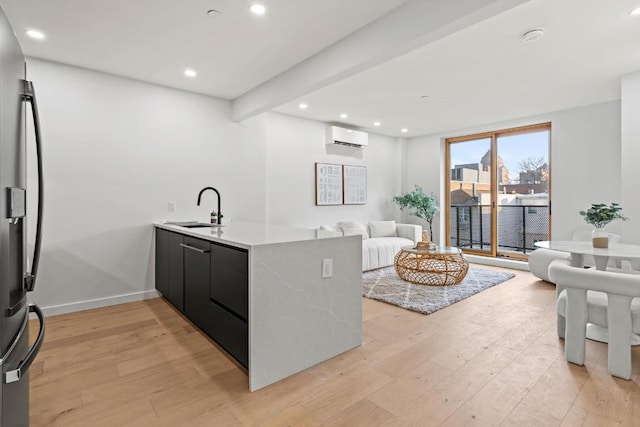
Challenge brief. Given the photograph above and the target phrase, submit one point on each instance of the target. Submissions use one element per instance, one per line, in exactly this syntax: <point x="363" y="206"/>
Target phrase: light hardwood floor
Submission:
<point x="492" y="359"/>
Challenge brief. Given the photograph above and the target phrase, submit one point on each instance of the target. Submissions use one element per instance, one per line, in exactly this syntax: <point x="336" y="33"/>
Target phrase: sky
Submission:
<point x="512" y="149"/>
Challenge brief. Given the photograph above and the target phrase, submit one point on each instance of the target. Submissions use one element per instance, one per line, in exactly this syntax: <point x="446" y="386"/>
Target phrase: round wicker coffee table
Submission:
<point x="436" y="267"/>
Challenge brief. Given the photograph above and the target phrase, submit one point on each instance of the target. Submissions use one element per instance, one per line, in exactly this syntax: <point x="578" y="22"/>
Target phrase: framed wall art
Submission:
<point x="355" y="185"/>
<point x="328" y="184"/>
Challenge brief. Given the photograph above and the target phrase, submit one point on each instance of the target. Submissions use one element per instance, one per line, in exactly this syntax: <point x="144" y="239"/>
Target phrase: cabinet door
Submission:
<point x="229" y="279"/>
<point x="230" y="332"/>
<point x="196" y="281"/>
<point x="169" y="280"/>
<point x="162" y="262"/>
<point x="175" y="271"/>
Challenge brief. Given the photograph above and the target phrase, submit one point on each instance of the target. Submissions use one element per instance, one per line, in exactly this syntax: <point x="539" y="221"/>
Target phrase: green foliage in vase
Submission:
<point x="425" y="206"/>
<point x="599" y="214"/>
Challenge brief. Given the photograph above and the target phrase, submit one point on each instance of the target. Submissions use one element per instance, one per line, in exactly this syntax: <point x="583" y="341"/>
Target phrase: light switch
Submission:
<point x="327" y="268"/>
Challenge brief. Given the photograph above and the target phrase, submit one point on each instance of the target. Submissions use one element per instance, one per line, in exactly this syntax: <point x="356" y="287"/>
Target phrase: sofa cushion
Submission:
<point x="332" y="228"/>
<point x="381" y="251"/>
<point x="383" y="229"/>
<point x="355" y="231"/>
<point x="343" y="225"/>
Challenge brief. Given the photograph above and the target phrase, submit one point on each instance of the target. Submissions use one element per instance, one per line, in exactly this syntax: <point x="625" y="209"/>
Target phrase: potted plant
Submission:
<point x="425" y="206"/>
<point x="599" y="214"/>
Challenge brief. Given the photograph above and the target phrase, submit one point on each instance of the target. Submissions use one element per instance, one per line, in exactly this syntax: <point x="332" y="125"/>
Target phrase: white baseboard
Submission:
<point x="498" y="262"/>
<point x="98" y="303"/>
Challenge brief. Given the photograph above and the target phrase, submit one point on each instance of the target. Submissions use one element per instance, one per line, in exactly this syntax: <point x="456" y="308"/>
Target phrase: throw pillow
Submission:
<point x="355" y="231"/>
<point x="354" y="224"/>
<point x="332" y="228"/>
<point x="383" y="229"/>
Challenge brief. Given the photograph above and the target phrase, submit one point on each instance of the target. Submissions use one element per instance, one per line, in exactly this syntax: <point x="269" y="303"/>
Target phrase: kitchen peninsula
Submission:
<point x="258" y="291"/>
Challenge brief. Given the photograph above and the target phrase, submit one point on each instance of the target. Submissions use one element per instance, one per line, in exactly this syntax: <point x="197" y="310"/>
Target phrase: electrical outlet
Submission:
<point x="172" y="206"/>
<point x="327" y="268"/>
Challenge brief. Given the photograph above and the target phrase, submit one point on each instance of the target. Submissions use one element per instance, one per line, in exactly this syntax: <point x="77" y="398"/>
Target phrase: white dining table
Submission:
<point x="579" y="249"/>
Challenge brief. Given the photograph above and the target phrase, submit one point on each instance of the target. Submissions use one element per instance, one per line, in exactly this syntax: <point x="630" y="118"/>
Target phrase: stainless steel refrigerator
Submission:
<point x="16" y="277"/>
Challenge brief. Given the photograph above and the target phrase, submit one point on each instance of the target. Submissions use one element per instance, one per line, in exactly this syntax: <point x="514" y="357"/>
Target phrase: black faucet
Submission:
<point x="219" y="211"/>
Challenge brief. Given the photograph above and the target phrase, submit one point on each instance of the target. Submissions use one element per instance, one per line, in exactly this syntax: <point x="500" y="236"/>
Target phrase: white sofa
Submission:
<point x="381" y="240"/>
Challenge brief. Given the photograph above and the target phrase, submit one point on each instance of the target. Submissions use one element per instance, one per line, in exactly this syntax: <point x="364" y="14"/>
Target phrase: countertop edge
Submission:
<point x="243" y="245"/>
<point x="193" y="233"/>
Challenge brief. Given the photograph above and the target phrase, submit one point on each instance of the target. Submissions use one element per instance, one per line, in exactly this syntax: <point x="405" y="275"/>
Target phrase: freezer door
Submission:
<point x="15" y="362"/>
<point x="15" y="396"/>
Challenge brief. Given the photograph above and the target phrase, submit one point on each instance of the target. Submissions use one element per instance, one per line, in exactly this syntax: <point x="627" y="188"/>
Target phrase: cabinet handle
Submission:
<point x="202" y="251"/>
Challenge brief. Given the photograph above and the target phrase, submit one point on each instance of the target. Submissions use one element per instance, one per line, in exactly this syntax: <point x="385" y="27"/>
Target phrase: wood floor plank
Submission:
<point x="578" y="417"/>
<point x="397" y="395"/>
<point x="556" y="391"/>
<point x="340" y="394"/>
<point x="491" y="359"/>
<point x="605" y="395"/>
<point x="528" y="416"/>
<point x="363" y="413"/>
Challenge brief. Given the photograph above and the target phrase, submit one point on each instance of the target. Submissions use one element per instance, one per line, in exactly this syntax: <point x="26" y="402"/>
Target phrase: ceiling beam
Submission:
<point x="408" y="27"/>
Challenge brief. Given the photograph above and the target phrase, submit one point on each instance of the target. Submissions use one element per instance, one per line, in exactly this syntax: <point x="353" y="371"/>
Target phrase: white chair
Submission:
<point x="540" y="259"/>
<point x="606" y="299"/>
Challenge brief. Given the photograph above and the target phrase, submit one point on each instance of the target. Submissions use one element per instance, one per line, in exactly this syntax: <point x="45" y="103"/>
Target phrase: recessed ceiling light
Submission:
<point x="35" y="34"/>
<point x="376" y="123"/>
<point x="302" y="106"/>
<point x="213" y="13"/>
<point x="258" y="9"/>
<point x="344" y="115"/>
<point x="404" y="130"/>
<point x="533" y="35"/>
<point x="635" y="12"/>
<point x="191" y="73"/>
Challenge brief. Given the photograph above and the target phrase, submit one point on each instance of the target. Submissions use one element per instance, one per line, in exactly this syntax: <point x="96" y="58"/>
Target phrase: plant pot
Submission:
<point x="600" y="237"/>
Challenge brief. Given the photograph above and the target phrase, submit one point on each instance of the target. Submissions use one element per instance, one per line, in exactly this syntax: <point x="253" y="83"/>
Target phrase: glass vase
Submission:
<point x="600" y="237"/>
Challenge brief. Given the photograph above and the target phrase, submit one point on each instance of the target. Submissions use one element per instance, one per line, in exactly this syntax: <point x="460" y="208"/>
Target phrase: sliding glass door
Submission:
<point x="469" y="190"/>
<point x="498" y="191"/>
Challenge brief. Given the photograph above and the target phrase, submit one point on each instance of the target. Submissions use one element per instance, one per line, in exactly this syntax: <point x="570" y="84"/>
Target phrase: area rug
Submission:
<point x="385" y="285"/>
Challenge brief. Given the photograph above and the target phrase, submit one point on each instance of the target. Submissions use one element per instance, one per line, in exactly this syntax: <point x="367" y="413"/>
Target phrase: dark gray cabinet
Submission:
<point x="229" y="292"/>
<point x="162" y="262"/>
<point x="229" y="278"/>
<point x="230" y="332"/>
<point x="209" y="283"/>
<point x="197" y="264"/>
<point x="169" y="267"/>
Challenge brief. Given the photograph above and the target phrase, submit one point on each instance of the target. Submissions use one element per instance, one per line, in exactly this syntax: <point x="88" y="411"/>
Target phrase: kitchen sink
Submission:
<point x="193" y="224"/>
<point x="202" y="225"/>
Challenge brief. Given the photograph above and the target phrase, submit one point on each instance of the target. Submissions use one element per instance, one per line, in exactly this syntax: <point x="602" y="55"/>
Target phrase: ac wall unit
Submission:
<point x="349" y="137"/>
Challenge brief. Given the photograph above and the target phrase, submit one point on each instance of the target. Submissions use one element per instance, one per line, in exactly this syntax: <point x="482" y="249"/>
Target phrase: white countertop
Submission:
<point x="248" y="234"/>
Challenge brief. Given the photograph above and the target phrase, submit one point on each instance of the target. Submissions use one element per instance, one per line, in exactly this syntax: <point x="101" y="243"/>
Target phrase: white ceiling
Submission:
<point x="486" y="73"/>
<point x="155" y="40"/>
<point x="481" y="74"/>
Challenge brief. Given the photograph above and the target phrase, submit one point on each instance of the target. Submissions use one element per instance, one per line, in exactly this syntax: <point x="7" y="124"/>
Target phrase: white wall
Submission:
<point x="116" y="151"/>
<point x="424" y="158"/>
<point x="631" y="156"/>
<point x="294" y="145"/>
<point x="585" y="162"/>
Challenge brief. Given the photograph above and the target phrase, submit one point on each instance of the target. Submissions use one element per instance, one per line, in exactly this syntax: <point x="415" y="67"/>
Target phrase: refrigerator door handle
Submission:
<point x="30" y="97"/>
<point x="15" y="374"/>
<point x="14" y="341"/>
